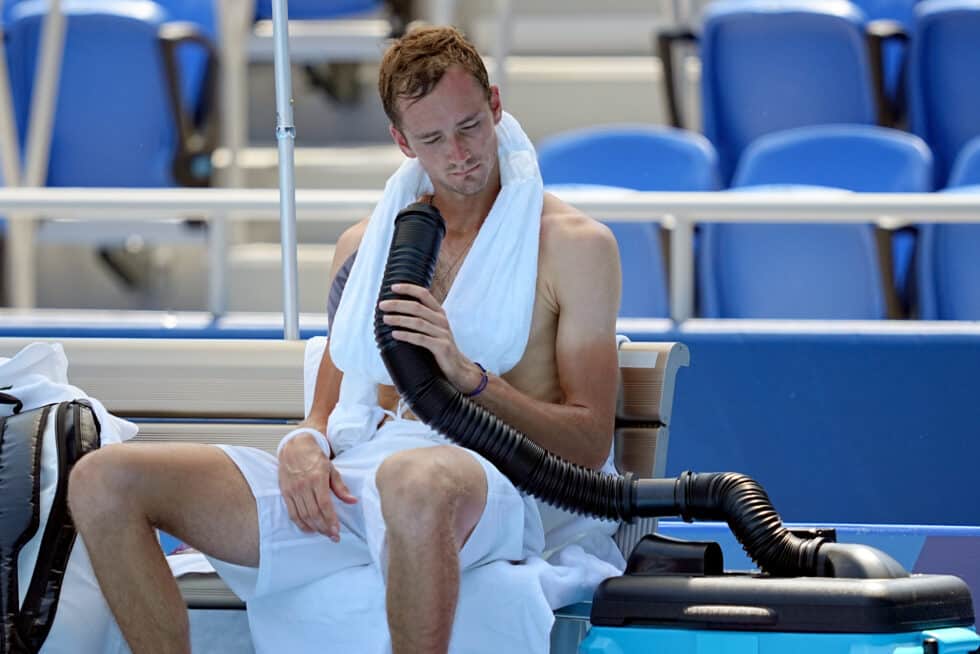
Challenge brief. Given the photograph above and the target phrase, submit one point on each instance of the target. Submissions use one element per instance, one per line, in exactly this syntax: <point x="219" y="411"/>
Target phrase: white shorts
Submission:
<point x="509" y="529"/>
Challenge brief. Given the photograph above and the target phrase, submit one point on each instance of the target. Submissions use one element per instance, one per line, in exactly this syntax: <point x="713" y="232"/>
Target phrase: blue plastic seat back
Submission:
<point x="192" y="60"/>
<point x="948" y="268"/>
<point x="113" y="124"/>
<point x="808" y="270"/>
<point x="317" y="9"/>
<point x="769" y="66"/>
<point x="642" y="158"/>
<point x="860" y="158"/>
<point x="944" y="78"/>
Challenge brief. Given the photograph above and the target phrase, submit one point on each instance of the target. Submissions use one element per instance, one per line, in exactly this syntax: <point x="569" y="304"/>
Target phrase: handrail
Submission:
<point x="635" y="206"/>
<point x="680" y="210"/>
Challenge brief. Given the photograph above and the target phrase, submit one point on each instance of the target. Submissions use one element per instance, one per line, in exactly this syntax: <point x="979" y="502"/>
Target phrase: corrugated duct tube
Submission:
<point x="732" y="497"/>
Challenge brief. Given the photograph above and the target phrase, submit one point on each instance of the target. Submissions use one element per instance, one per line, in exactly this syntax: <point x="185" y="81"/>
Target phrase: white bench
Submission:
<point x="248" y="392"/>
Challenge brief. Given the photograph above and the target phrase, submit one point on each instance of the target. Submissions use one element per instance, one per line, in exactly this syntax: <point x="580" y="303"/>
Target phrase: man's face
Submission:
<point x="451" y="132"/>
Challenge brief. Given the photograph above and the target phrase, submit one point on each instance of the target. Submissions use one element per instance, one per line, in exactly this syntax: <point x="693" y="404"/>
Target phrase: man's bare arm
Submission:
<point x="328" y="377"/>
<point x="307" y="478"/>
<point x="586" y="282"/>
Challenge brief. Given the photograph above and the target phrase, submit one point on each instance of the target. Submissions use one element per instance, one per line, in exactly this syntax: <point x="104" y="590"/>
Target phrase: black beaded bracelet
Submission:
<point x="484" y="380"/>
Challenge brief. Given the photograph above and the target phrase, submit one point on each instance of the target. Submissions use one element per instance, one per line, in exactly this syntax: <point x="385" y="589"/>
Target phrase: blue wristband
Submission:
<point x="484" y="380"/>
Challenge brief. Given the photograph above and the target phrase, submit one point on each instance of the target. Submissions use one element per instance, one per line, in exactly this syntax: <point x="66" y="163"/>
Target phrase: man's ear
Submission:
<point x="401" y="141"/>
<point x="495" y="107"/>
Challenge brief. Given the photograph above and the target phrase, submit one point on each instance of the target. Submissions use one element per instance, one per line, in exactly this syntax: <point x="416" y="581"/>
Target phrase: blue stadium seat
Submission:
<point x="948" y="265"/>
<point x="769" y="66"/>
<point x="193" y="63"/>
<point x="127" y="113"/>
<point x="944" y="85"/>
<point x="642" y="158"/>
<point x="809" y="270"/>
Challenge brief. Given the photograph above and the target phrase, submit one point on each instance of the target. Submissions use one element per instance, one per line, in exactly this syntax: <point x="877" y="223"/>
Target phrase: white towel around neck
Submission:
<point x="489" y="305"/>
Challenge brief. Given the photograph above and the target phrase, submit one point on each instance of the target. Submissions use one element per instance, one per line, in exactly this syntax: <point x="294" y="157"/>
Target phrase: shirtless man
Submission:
<point x="561" y="393"/>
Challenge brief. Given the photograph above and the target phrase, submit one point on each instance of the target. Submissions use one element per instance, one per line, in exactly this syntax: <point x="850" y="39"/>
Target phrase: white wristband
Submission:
<point x="318" y="436"/>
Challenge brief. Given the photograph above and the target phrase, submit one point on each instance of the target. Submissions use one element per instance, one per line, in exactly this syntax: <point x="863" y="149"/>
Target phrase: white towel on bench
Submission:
<point x="38" y="375"/>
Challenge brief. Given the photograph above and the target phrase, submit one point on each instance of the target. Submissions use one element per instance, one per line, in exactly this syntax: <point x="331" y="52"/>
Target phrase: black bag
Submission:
<point x="38" y="449"/>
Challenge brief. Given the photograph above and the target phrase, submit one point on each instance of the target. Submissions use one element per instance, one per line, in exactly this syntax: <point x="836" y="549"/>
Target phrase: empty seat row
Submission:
<point x="801" y="270"/>
<point x="137" y="90"/>
<point x="768" y="66"/>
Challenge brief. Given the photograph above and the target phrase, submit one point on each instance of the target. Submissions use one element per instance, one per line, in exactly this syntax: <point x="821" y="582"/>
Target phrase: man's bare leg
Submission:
<point x="431" y="500"/>
<point x="120" y="493"/>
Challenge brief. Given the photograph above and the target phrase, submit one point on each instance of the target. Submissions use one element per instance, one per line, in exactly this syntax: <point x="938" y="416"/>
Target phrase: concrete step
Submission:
<point x="175" y="277"/>
<point x="547" y="94"/>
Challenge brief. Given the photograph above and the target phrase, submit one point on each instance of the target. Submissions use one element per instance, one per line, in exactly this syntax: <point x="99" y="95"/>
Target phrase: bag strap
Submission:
<point x="76" y="434"/>
<point x="7" y="398"/>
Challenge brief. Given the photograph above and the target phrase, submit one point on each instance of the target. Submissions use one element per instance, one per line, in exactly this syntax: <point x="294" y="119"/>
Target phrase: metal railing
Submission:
<point x="679" y="211"/>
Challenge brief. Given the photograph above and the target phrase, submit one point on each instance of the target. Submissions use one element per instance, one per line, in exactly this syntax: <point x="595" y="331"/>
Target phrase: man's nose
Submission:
<point x="457" y="149"/>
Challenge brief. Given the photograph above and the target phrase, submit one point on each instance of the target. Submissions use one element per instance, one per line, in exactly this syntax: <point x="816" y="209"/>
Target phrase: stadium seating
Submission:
<point x="768" y="66"/>
<point x="944" y="85"/>
<point x="809" y="270"/>
<point x="125" y="115"/>
<point x="948" y="266"/>
<point x="642" y="158"/>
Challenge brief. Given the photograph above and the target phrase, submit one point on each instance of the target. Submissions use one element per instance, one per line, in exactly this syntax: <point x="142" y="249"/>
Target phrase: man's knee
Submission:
<point x="422" y="490"/>
<point x="101" y="483"/>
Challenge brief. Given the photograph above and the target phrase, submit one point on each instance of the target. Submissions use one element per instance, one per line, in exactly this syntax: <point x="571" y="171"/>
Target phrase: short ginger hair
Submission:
<point x="414" y="64"/>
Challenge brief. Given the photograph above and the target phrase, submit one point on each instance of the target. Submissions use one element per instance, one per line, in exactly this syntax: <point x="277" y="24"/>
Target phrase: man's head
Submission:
<point x="437" y="94"/>
<point x="414" y="64"/>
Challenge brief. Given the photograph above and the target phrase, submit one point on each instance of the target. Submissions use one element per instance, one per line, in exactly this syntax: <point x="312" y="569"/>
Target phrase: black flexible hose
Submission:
<point x="419" y="230"/>
<point x="743" y="503"/>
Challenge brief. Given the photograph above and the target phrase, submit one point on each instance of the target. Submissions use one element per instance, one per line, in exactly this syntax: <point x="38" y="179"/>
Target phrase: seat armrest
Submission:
<point x="664" y="42"/>
<point x="648" y="372"/>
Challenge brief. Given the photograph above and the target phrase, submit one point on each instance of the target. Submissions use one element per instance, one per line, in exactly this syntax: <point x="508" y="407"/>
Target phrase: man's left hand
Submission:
<point x="424" y="323"/>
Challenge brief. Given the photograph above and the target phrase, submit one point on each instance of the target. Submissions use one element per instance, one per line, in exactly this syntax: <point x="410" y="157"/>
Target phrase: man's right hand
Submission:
<point x="308" y="481"/>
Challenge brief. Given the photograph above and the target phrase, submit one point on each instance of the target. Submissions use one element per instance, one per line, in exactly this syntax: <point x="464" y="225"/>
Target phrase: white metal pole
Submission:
<point x="233" y="19"/>
<point x="21" y="245"/>
<point x="9" y="150"/>
<point x="218" y="265"/>
<point x="442" y="12"/>
<point x="286" y="137"/>
<point x="10" y="155"/>
<point x="45" y="96"/>
<point x="505" y="29"/>
<point x="682" y="269"/>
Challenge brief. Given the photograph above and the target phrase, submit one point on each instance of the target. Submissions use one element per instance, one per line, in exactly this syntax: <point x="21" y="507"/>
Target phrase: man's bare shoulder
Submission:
<point x="568" y="234"/>
<point x="347" y="244"/>
<point x="350" y="240"/>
